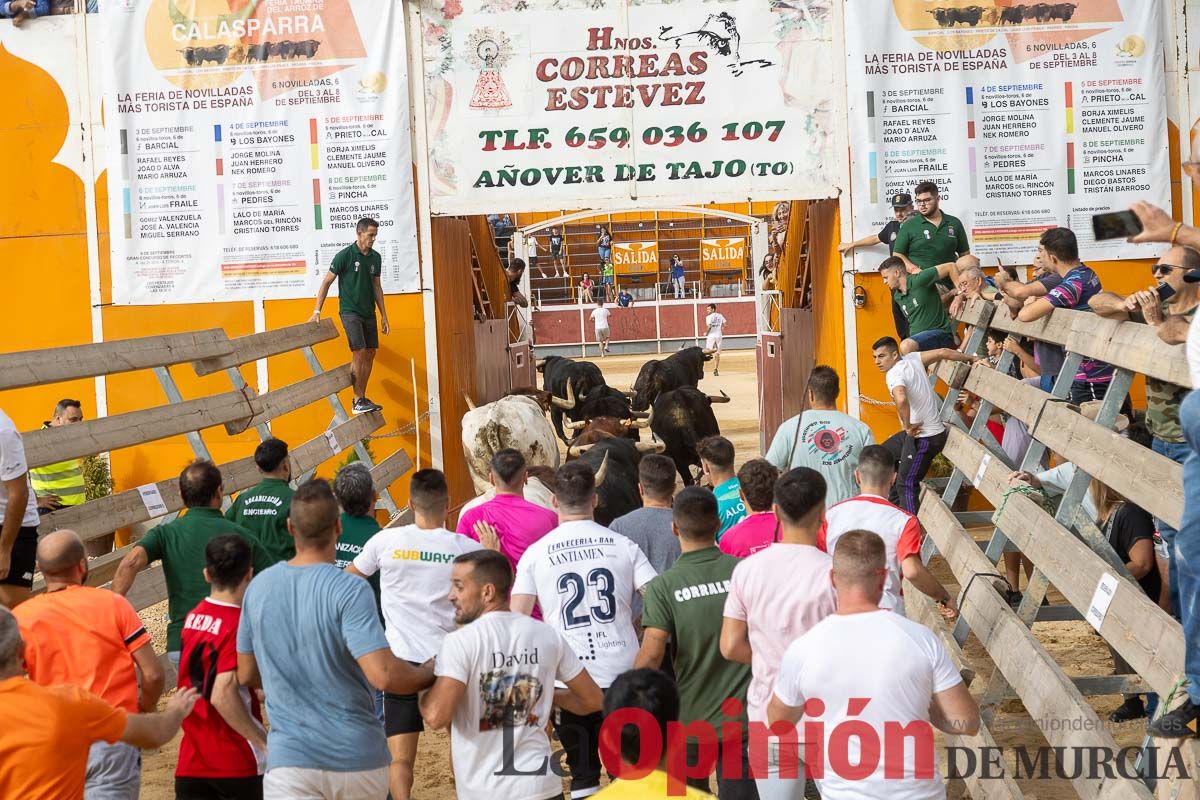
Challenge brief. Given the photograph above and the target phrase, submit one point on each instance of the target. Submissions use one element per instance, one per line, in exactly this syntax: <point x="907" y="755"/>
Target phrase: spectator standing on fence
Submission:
<point x="677" y="277"/>
<point x="46" y="733"/>
<point x="829" y="441"/>
<point x="93" y="639"/>
<point x="650" y="527"/>
<point x="1163" y="399"/>
<point x="413" y="563"/>
<point x="60" y="485"/>
<point x="902" y="209"/>
<point x="180" y="544"/>
<point x="899" y="530"/>
<point x="716" y="460"/>
<point x="263" y="508"/>
<point x="930" y="237"/>
<point x="759" y="529"/>
<point x="602" y="574"/>
<point x="714" y="324"/>
<point x="1157" y="226"/>
<point x="310" y="637"/>
<point x="18" y="518"/>
<point x="930" y="326"/>
<point x="761" y="620"/>
<point x="495" y="688"/>
<point x="864" y="651"/>
<point x="357" y="269"/>
<point x="224" y="747"/>
<point x="604" y="243"/>
<point x="608" y="277"/>
<point x="683" y="617"/>
<point x="922" y="433"/>
<point x="600" y="316"/>
<point x="1059" y="249"/>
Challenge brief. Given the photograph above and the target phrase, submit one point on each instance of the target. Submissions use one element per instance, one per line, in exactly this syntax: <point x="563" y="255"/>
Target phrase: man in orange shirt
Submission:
<point x="46" y="733"/>
<point x="91" y="638"/>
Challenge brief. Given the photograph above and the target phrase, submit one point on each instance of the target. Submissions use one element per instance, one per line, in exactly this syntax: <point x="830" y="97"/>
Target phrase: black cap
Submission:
<point x="901" y="200"/>
<point x="1193" y="276"/>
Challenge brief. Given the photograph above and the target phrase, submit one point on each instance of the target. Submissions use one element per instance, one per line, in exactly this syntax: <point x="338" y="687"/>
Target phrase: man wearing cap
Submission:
<point x="902" y="208"/>
<point x="1177" y="269"/>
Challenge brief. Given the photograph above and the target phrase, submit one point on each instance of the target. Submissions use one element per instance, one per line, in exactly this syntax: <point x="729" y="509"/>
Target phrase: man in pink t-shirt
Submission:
<point x="776" y="596"/>
<point x="759" y="529"/>
<point x="515" y="522"/>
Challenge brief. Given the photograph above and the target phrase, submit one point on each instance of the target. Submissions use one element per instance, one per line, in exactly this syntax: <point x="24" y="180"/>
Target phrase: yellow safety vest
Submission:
<point x="64" y="479"/>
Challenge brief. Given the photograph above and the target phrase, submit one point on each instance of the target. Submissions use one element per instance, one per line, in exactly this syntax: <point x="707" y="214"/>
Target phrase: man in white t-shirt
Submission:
<point x="922" y="433"/>
<point x="18" y="518"/>
<point x="830" y="441"/>
<point x="900" y="531"/>
<point x="775" y="596"/>
<point x="495" y="687"/>
<point x="531" y="254"/>
<point x="414" y="564"/>
<point x="584" y="577"/>
<point x="600" y="316"/>
<point x="715" y="325"/>
<point x="869" y="665"/>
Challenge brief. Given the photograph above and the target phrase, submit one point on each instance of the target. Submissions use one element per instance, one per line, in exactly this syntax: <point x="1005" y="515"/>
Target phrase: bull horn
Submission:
<point x="569" y="403"/>
<point x="641" y="414"/>
<point x="724" y="398"/>
<point x="708" y="351"/>
<point x="574" y="426"/>
<point x="470" y="402"/>
<point x="579" y="449"/>
<point x="643" y="419"/>
<point x="630" y="394"/>
<point x="602" y="473"/>
<point x="651" y="447"/>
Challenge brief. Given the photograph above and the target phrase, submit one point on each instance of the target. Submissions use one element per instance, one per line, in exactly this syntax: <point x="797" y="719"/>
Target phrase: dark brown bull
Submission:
<point x="307" y="48"/>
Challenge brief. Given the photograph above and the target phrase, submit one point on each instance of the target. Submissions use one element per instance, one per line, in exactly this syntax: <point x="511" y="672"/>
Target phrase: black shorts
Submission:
<point x="401" y="714"/>
<point x="219" y="788"/>
<point x="361" y="332"/>
<point x="22" y="558"/>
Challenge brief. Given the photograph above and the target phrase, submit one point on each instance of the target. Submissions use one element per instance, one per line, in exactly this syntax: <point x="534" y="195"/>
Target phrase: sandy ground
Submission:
<point x="1073" y="644"/>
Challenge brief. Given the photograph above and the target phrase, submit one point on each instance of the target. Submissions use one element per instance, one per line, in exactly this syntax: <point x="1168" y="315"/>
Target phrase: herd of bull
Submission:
<point x="1012" y="15"/>
<point x="246" y="53"/>
<point x="601" y="426"/>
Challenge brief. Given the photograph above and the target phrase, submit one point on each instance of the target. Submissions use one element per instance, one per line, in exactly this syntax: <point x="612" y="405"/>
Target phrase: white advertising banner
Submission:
<point x="541" y="104"/>
<point x="1026" y="115"/>
<point x="245" y="140"/>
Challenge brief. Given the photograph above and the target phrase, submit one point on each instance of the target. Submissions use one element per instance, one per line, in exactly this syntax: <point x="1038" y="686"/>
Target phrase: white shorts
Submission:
<point x="713" y="342"/>
<point x="602" y="334"/>
<point x="297" y="783"/>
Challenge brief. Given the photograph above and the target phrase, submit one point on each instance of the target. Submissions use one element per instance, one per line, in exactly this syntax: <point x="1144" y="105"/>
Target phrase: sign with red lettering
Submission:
<point x="536" y="104"/>
<point x="722" y="255"/>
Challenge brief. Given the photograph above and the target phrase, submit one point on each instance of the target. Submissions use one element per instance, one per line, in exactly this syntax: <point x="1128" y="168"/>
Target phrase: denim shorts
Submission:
<point x="932" y="339"/>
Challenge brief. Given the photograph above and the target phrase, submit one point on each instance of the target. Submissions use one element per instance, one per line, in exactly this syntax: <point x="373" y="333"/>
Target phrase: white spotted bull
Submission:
<point x="517" y="421"/>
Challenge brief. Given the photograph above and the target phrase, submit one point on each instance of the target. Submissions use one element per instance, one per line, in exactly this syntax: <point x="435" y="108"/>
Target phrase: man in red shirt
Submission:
<point x="224" y="742"/>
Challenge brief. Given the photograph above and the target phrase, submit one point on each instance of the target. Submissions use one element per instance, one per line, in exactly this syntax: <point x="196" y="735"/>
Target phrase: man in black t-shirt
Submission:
<point x="902" y="209"/>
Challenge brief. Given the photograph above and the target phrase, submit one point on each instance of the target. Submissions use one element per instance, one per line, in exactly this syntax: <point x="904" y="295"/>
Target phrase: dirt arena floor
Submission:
<point x="1073" y="644"/>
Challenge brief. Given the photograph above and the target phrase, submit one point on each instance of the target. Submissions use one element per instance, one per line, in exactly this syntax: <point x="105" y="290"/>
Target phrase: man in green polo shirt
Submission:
<point x="355" y="491"/>
<point x="263" y="508"/>
<point x="684" y="607"/>
<point x="357" y="269"/>
<point x="180" y="546"/>
<point x="929" y="326"/>
<point x="930" y="237"/>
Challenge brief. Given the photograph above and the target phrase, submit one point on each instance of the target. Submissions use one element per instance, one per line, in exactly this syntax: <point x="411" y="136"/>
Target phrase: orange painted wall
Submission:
<point x="44" y="263"/>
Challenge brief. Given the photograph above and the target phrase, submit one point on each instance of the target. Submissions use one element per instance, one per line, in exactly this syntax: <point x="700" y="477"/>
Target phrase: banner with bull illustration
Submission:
<point x="245" y="140"/>
<point x="723" y="255"/>
<point x="537" y="104"/>
<point x="1026" y="115"/>
<point x="632" y="258"/>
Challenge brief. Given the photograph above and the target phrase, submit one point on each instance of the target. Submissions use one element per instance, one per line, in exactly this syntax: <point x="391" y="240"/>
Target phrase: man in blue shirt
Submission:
<point x="624" y="299"/>
<point x="1059" y="250"/>
<point x="311" y="638"/>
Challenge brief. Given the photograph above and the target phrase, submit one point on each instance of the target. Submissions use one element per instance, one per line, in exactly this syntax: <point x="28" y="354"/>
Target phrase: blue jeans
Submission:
<point x="1187" y="546"/>
<point x="1177" y="452"/>
<point x="932" y="339"/>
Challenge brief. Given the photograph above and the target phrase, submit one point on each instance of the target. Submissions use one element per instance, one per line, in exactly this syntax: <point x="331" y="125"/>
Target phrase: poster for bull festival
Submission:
<point x="538" y="104"/>
<point x="1026" y="115"/>
<point x="245" y="140"/>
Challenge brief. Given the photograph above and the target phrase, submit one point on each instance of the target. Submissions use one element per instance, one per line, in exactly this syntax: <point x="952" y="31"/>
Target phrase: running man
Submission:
<point x="224" y="747"/>
<point x="414" y="566"/>
<point x="357" y="269"/>
<point x="715" y="323"/>
<point x="600" y="316"/>
<point x="496" y="678"/>
<point x="584" y="577"/>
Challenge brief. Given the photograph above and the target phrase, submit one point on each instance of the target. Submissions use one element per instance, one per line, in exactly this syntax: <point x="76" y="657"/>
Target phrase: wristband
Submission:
<point x="1175" y="232"/>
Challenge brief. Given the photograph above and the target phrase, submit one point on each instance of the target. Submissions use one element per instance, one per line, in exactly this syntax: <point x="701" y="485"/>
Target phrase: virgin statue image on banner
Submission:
<point x="490" y="52"/>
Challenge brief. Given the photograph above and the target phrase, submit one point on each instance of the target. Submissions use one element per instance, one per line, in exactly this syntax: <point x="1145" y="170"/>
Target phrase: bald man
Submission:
<point x="91" y="638"/>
